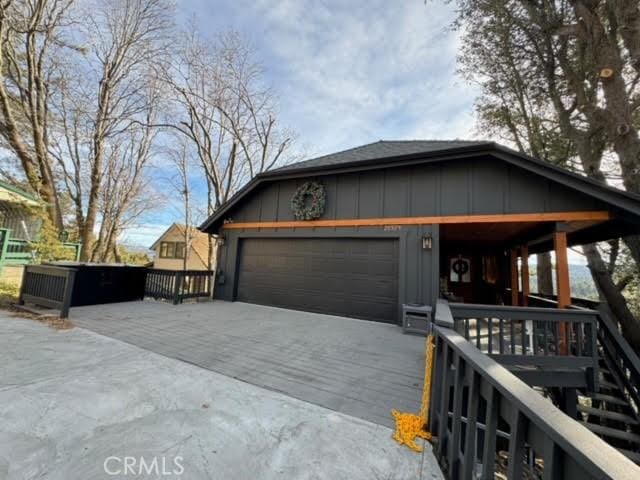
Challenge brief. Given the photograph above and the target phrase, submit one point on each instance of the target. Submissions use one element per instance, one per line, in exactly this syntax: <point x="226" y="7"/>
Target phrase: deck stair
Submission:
<point x="609" y="412"/>
<point x="503" y="378"/>
<point x="589" y="371"/>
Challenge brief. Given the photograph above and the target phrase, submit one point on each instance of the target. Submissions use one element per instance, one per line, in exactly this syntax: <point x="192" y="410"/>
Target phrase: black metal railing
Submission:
<point x="551" y="339"/>
<point x="48" y="286"/>
<point x="482" y="413"/>
<point x="177" y="285"/>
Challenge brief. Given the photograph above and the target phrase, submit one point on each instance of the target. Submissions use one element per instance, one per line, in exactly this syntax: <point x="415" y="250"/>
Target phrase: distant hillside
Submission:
<point x="582" y="285"/>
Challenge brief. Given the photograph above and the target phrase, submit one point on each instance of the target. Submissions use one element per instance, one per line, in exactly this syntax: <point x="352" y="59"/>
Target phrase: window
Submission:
<point x="172" y="250"/>
<point x="180" y="248"/>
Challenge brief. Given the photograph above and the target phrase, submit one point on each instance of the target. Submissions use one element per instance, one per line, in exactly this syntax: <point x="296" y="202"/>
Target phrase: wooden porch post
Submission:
<point x="562" y="269"/>
<point x="563" y="283"/>
<point x="514" y="276"/>
<point x="524" y="273"/>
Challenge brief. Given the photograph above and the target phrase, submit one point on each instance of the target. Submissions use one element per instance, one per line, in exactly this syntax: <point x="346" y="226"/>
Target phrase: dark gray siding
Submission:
<point x="462" y="187"/>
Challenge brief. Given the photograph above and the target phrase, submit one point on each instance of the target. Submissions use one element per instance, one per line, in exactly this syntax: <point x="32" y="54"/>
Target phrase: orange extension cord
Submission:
<point x="410" y="426"/>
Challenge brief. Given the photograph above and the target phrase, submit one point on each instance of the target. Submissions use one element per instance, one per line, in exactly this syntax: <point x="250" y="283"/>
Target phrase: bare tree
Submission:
<point x="249" y="108"/>
<point x="104" y="97"/>
<point x="222" y="109"/>
<point x="126" y="194"/>
<point x="31" y="43"/>
<point x="181" y="161"/>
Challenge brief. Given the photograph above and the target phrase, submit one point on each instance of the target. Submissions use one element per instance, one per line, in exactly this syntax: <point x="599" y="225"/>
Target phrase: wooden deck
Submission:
<point x="356" y="367"/>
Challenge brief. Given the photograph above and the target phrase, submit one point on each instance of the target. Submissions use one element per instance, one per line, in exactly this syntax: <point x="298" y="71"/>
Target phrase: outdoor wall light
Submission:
<point x="427" y="242"/>
<point x="221" y="241"/>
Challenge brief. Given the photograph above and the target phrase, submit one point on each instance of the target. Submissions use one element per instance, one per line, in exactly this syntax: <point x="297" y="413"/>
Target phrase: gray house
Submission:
<point x="358" y="233"/>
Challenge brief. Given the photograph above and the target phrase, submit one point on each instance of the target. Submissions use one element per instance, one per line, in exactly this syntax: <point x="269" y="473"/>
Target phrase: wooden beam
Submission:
<point x="524" y="252"/>
<point x="379" y="222"/>
<point x="514" y="276"/>
<point x="563" y="284"/>
<point x="562" y="269"/>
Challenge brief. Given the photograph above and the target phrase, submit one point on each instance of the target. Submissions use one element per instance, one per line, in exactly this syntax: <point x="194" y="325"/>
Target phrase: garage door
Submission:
<point x="351" y="277"/>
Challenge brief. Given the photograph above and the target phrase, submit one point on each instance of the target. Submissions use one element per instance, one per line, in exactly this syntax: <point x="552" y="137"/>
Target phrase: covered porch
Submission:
<point x="571" y="351"/>
<point x="489" y="262"/>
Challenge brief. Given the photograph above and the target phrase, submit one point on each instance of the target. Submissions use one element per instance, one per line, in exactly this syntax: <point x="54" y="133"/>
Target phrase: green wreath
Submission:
<point x="309" y="201"/>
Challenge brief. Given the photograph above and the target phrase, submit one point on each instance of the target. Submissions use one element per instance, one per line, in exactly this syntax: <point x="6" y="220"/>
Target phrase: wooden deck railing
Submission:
<point x="531" y="337"/>
<point x="178" y="285"/>
<point x="48" y="286"/>
<point x="52" y="286"/>
<point x="480" y="408"/>
<point x="615" y="350"/>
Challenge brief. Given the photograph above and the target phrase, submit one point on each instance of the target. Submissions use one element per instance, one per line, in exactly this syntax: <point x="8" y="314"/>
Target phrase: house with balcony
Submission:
<point x="19" y="228"/>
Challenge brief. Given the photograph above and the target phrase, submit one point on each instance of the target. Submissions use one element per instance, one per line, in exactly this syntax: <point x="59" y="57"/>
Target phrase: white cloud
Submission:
<point x="143" y="235"/>
<point x="350" y="73"/>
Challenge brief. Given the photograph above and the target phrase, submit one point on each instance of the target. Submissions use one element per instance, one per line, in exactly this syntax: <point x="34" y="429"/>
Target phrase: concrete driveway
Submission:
<point x="74" y="405"/>
<point x="356" y="367"/>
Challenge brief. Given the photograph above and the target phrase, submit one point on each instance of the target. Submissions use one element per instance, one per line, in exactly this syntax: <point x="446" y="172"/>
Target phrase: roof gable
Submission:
<point x="396" y="153"/>
<point x="198" y="238"/>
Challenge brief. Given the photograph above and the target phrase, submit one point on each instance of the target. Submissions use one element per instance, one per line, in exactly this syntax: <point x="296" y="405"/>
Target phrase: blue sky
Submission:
<point x="345" y="73"/>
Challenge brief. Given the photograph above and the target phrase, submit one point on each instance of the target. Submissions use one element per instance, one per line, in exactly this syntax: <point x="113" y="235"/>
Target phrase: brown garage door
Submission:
<point x="354" y="277"/>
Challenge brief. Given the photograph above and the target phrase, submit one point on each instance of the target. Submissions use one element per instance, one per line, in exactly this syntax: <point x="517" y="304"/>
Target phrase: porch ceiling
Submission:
<point x="537" y="235"/>
<point x="490" y="234"/>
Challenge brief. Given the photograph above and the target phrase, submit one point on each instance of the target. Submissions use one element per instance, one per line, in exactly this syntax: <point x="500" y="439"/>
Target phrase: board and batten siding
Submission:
<point x="463" y="187"/>
<point x="467" y="186"/>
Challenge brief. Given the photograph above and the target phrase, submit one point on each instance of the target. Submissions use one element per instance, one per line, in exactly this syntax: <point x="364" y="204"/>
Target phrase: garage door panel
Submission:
<point x="341" y="276"/>
<point x="372" y="267"/>
<point x="383" y="290"/>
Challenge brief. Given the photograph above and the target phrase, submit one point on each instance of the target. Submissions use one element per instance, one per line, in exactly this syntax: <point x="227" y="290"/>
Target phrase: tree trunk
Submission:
<point x="544" y="273"/>
<point x="92" y="209"/>
<point x="211" y="240"/>
<point x="613" y="297"/>
<point x="116" y="253"/>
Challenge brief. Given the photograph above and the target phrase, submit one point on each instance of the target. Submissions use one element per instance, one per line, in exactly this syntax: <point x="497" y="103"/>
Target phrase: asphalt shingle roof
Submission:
<point x="379" y="150"/>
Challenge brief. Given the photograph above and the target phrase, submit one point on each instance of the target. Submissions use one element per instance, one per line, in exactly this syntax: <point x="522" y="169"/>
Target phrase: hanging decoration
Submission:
<point x="309" y="201"/>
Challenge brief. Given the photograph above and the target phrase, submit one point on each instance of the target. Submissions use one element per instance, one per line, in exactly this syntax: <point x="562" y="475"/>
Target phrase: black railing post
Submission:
<point x="68" y="293"/>
<point x="490" y="433"/>
<point x="592" y="372"/>
<point x="23" y="282"/>
<point x="473" y="403"/>
<point x="177" y="288"/>
<point x="436" y="387"/>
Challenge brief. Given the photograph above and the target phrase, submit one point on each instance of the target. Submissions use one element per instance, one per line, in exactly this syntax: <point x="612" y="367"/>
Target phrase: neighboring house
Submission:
<point x="170" y="249"/>
<point x="19" y="226"/>
<point x="401" y="222"/>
